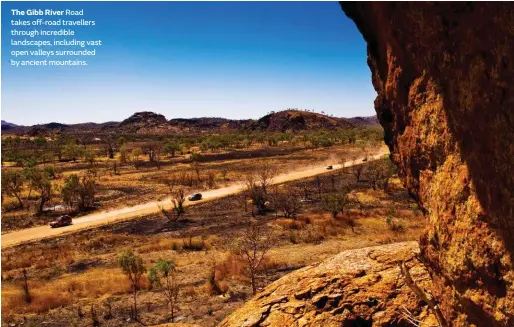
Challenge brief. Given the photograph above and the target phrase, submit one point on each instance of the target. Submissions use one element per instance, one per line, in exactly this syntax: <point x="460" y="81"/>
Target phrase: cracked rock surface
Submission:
<point x="360" y="287"/>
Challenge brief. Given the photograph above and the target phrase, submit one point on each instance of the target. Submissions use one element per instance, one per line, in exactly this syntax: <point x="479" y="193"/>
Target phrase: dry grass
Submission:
<point x="313" y="236"/>
<point x="66" y="290"/>
<point x="198" y="243"/>
<point x="230" y="267"/>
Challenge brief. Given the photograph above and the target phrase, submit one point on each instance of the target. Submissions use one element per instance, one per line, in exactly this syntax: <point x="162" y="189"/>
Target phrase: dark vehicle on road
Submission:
<point x="195" y="197"/>
<point x="61" y="221"/>
<point x="329" y="167"/>
<point x="365" y="159"/>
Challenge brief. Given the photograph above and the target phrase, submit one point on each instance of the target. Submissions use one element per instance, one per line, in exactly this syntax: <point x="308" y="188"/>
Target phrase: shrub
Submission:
<point x="394" y="224"/>
<point x="194" y="244"/>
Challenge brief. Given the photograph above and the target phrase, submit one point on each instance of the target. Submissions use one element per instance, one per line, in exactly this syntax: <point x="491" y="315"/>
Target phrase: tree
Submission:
<point x="224" y="173"/>
<point x="40" y="182"/>
<point x="177" y="200"/>
<point x="90" y="157"/>
<point x="379" y="172"/>
<point x="26" y="290"/>
<point x="256" y="194"/>
<point x="152" y="149"/>
<point x="50" y="172"/>
<point x="336" y="202"/>
<point x="72" y="151"/>
<point x="171" y="146"/>
<point x="123" y="154"/>
<point x="319" y="186"/>
<point x="79" y="192"/>
<point x="389" y="169"/>
<point x="265" y="175"/>
<point x="110" y="145"/>
<point x="136" y="152"/>
<point x="287" y="201"/>
<point x="211" y="179"/>
<point x="198" y="170"/>
<point x="12" y="184"/>
<point x="357" y="169"/>
<point x="132" y="266"/>
<point x="121" y="141"/>
<point x="252" y="247"/>
<point x="163" y="275"/>
<point x="114" y="166"/>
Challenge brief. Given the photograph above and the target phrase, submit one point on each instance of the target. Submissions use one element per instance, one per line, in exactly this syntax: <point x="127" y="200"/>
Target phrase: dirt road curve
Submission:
<point x="107" y="217"/>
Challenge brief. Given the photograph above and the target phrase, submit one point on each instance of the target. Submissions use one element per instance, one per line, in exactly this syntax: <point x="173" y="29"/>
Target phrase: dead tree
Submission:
<point x="287" y="201"/>
<point x="26" y="291"/>
<point x="252" y="247"/>
<point x="177" y="201"/>
<point x="265" y="175"/>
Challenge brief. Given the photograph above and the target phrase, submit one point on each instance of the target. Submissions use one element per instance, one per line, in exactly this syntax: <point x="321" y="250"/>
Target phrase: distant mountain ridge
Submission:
<point x="147" y="122"/>
<point x="369" y="120"/>
<point x="7" y="125"/>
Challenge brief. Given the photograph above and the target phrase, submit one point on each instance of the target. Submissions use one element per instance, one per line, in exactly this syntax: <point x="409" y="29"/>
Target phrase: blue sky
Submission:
<point x="192" y="59"/>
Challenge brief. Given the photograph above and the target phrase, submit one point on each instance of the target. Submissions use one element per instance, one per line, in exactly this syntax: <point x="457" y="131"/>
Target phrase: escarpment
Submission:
<point x="444" y="77"/>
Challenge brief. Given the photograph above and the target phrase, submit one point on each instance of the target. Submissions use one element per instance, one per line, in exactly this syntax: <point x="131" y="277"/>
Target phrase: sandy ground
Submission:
<point x="109" y="216"/>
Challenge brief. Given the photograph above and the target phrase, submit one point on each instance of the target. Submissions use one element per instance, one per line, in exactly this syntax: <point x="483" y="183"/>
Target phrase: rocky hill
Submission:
<point x="297" y="120"/>
<point x="144" y="122"/>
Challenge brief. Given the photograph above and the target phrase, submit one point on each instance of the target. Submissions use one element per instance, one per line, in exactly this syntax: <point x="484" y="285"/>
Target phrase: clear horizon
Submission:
<point x="236" y="60"/>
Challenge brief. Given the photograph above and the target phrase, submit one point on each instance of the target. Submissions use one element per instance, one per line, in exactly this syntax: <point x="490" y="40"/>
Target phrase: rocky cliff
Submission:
<point x="444" y="77"/>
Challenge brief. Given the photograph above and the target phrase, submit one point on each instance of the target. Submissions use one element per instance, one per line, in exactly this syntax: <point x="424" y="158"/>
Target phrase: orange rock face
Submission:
<point x="444" y="74"/>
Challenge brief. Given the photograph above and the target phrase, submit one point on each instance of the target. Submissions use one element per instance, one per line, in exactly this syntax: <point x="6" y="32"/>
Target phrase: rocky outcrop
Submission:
<point x="297" y="120"/>
<point x="144" y="117"/>
<point x="144" y="122"/>
<point x="443" y="74"/>
<point x="361" y="287"/>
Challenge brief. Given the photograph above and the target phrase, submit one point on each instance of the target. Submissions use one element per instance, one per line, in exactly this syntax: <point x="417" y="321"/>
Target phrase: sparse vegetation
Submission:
<point x="163" y="275"/>
<point x="132" y="266"/>
<point x="79" y="277"/>
<point x="208" y="232"/>
<point x="252" y="247"/>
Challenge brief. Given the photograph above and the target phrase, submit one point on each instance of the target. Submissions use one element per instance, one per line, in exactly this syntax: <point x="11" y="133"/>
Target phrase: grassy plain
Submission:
<point x="75" y="278"/>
